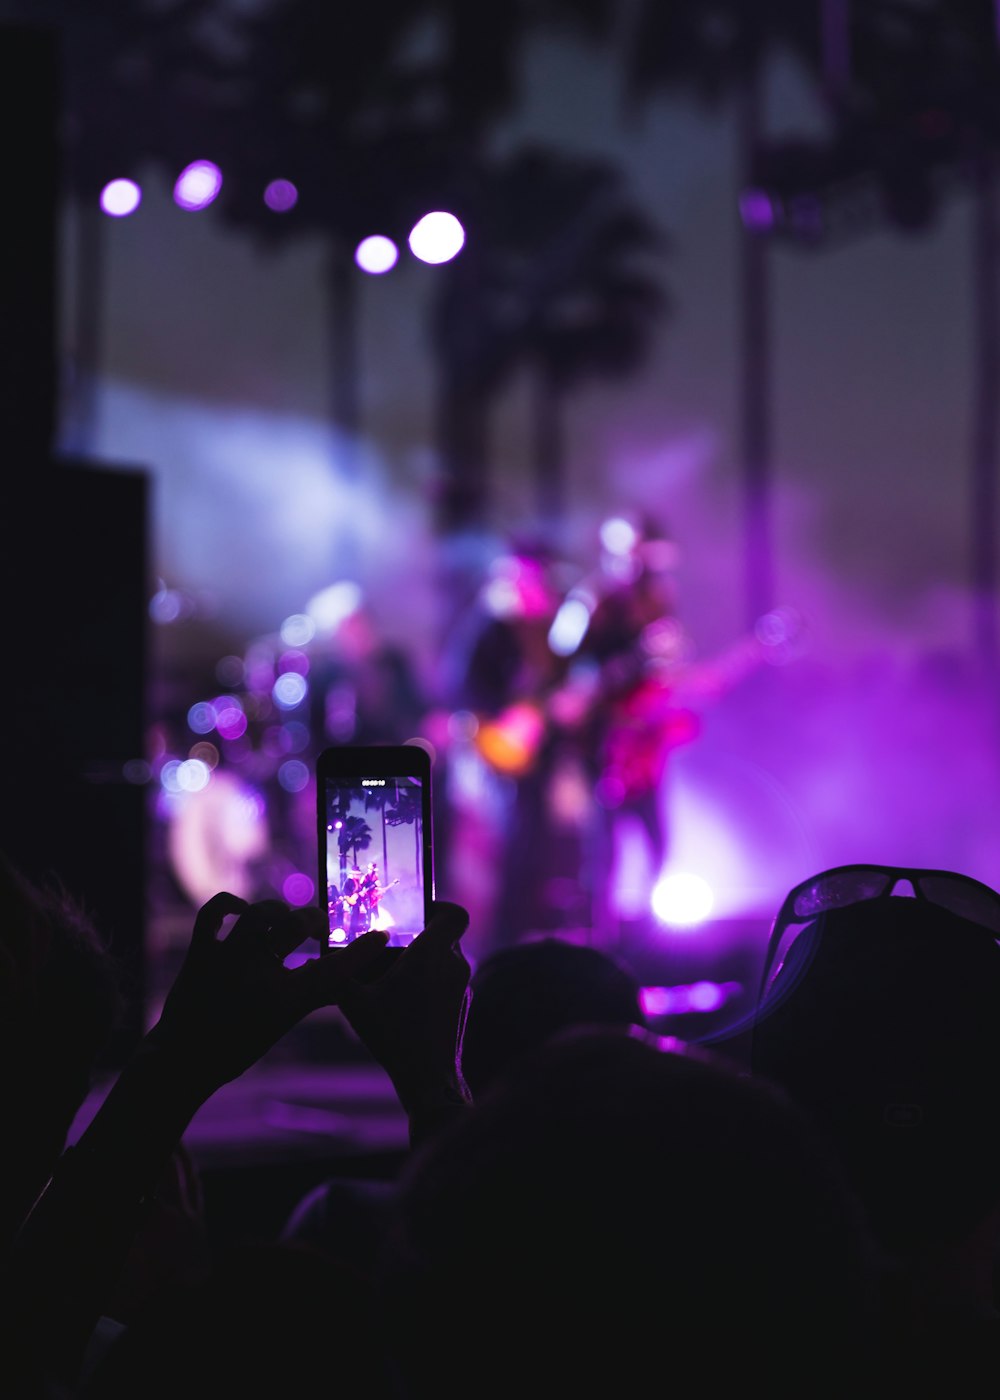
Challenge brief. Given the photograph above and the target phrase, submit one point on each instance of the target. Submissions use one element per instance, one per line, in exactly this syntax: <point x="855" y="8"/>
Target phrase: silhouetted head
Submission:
<point x="522" y="996"/>
<point x="884" y="1022"/>
<point x="607" y="1202"/>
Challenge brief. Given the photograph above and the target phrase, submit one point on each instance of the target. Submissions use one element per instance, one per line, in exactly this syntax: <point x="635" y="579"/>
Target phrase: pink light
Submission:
<point x="436" y="238"/>
<point x="120" y="198"/>
<point x="376" y="254"/>
<point x="197" y="185"/>
<point x="706" y="996"/>
<point x="757" y="209"/>
<point x="281" y="195"/>
<point x="230" y="720"/>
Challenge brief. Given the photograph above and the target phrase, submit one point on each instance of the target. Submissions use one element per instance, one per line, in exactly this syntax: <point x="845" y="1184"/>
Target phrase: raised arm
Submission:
<point x="412" y="1019"/>
<point x="233" y="999"/>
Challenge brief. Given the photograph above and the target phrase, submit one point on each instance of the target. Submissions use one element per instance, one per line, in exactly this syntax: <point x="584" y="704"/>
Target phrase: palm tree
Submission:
<point x="406" y="810"/>
<point x="355" y="835"/>
<point x="565" y="286"/>
<point x="717" y="53"/>
<point x="916" y="116"/>
<point x="376" y="800"/>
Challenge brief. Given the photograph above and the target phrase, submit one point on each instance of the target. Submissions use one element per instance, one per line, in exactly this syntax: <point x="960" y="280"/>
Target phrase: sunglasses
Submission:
<point x="845" y="885"/>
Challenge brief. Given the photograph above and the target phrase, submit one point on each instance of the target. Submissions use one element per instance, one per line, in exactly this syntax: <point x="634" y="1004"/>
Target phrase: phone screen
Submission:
<point x="374" y="825"/>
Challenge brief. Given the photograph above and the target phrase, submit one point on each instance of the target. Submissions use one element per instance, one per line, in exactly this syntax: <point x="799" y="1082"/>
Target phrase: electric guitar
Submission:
<point x="377" y="891"/>
<point x="644" y="708"/>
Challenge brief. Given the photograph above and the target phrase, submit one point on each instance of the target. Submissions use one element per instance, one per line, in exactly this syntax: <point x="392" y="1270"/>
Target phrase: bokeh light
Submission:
<point x="201" y="718"/>
<point x="230" y="720"/>
<point x="618" y="536"/>
<point x="331" y="605"/>
<point x="165" y="606"/>
<point x="569" y="627"/>
<point x="281" y="195"/>
<point x="757" y="209"/>
<point x="376" y="254"/>
<point x="293" y="775"/>
<point x="205" y="753"/>
<point x="197" y="185"/>
<point x="294" y="660"/>
<point x="120" y="198"/>
<point x="193" y="775"/>
<point x="437" y="237"/>
<point x="682" y="899"/>
<point x="168" y="775"/>
<point x="297" y="889"/>
<point x="298" y="630"/>
<point x="289" y="690"/>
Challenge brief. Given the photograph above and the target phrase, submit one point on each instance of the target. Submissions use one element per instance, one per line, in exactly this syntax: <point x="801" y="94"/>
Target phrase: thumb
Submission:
<point x="328" y="976"/>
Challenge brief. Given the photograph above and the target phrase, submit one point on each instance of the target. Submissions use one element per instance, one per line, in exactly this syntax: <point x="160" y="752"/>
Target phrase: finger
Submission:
<point x="210" y="917"/>
<point x="444" y="929"/>
<point x="254" y="925"/>
<point x="295" y="927"/>
<point x="322" y="981"/>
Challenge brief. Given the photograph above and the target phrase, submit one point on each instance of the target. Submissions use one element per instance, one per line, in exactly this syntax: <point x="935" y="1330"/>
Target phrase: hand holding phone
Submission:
<point x="375" y="846"/>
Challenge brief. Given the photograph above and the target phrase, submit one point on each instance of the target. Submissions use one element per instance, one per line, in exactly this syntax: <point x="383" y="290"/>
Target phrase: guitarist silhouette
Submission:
<point x="634" y="690"/>
<point x="509" y="663"/>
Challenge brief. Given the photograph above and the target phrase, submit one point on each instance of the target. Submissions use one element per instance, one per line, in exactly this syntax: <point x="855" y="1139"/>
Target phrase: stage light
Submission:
<point x="193" y="775"/>
<point x="376" y="254"/>
<point x="289" y="690"/>
<point x="706" y="996"/>
<point x="682" y="900"/>
<point x="757" y="210"/>
<point x="293" y="775"/>
<point x="168" y="776"/>
<point x="298" y="630"/>
<point x="436" y="238"/>
<point x="294" y="660"/>
<point x="332" y="605"/>
<point x="281" y="195"/>
<point x="681" y="1000"/>
<point x="166" y="606"/>
<point x="201" y="718"/>
<point x="619" y="536"/>
<point x="206" y="753"/>
<point x="197" y="185"/>
<point x="230" y="721"/>
<point x="569" y="626"/>
<point x="120" y="198"/>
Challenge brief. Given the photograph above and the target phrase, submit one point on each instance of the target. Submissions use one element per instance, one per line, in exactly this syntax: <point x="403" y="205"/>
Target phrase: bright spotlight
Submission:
<point x="436" y="238"/>
<point x="682" y="899"/>
<point x="334" y="604"/>
<point x="197" y="185"/>
<point x="120" y="197"/>
<point x="376" y="254"/>
<point x="569" y="626"/>
<point x="619" y="536"/>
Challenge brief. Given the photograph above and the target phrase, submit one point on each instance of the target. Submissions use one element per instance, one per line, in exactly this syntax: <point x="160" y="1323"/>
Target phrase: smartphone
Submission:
<point x="376" y="861"/>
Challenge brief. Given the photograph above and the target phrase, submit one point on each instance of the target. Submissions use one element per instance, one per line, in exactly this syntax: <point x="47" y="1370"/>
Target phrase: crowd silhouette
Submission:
<point x="583" y="1202"/>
